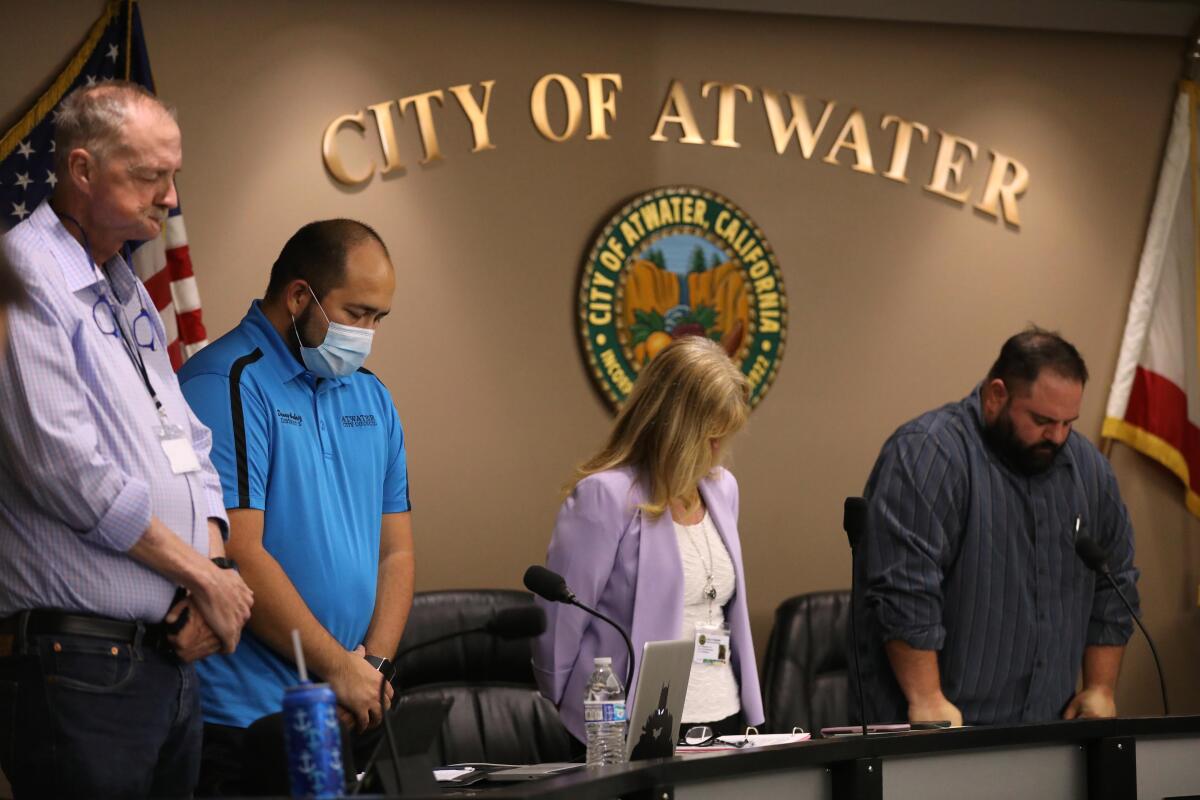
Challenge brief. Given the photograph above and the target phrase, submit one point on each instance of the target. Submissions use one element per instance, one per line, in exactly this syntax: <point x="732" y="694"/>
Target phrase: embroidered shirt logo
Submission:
<point x="358" y="420"/>
<point x="289" y="417"/>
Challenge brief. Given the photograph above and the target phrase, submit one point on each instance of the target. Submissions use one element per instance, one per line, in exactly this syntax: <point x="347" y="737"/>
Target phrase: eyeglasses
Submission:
<point x="105" y="317"/>
<point x="704" y="735"/>
<point x="699" y="736"/>
<point x="143" y="331"/>
<point x="104" y="314"/>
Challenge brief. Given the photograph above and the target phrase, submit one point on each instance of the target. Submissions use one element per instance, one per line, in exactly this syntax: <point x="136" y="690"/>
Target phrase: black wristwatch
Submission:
<point x="383" y="665"/>
<point x="225" y="563"/>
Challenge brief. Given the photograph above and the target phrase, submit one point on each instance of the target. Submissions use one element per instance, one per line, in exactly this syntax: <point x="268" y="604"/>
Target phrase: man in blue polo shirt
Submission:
<point x="312" y="463"/>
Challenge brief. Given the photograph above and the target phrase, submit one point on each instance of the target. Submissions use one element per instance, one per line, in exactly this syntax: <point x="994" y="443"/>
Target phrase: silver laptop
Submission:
<point x="658" y="700"/>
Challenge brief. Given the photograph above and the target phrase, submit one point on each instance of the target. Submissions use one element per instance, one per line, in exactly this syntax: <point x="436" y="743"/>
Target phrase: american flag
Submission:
<point x="114" y="48"/>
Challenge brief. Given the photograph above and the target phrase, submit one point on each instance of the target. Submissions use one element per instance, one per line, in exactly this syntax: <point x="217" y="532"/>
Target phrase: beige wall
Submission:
<point x="898" y="300"/>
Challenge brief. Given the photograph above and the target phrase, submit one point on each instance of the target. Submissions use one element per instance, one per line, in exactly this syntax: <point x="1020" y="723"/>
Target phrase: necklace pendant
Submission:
<point x="711" y="593"/>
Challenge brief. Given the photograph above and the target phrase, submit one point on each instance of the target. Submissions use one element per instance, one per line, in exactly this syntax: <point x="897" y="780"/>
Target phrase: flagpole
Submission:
<point x="128" y="38"/>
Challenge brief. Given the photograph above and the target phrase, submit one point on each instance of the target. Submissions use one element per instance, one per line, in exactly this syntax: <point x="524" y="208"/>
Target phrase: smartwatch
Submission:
<point x="383" y="665"/>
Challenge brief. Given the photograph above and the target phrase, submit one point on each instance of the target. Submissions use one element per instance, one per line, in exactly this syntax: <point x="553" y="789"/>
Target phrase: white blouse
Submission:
<point x="712" y="693"/>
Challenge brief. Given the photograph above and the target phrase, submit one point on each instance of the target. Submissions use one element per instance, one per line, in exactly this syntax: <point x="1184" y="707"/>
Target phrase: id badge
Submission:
<point x="712" y="645"/>
<point x="178" y="448"/>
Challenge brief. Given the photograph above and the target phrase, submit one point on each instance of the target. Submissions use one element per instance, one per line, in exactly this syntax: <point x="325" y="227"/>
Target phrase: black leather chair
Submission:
<point x="498" y="714"/>
<point x="805" y="673"/>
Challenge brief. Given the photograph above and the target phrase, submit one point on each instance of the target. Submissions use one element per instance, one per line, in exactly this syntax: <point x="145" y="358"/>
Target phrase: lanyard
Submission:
<point x="131" y="348"/>
<point x="128" y="342"/>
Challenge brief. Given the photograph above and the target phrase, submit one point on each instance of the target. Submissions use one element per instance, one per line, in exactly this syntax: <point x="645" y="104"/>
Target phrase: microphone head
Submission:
<point x="518" y="622"/>
<point x="547" y="584"/>
<point x="854" y="519"/>
<point x="1092" y="554"/>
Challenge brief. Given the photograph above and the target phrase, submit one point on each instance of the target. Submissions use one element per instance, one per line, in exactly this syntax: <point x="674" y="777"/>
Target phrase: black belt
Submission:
<point x="51" y="623"/>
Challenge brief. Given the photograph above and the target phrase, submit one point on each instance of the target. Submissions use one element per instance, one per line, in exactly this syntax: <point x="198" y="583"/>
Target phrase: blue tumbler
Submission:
<point x="314" y="741"/>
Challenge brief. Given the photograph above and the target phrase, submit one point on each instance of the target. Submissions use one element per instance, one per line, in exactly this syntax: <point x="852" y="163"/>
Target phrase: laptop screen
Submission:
<point x="662" y="685"/>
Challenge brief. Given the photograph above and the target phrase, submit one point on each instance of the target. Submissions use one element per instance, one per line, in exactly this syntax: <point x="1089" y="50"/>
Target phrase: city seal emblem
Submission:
<point x="680" y="261"/>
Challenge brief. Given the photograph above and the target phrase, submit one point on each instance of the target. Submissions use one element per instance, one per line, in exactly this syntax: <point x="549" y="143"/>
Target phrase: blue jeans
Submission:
<point x="82" y="716"/>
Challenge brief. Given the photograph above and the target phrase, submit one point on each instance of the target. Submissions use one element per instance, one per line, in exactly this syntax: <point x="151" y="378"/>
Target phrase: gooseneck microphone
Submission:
<point x="854" y="522"/>
<point x="549" y="585"/>
<point x="1091" y="554"/>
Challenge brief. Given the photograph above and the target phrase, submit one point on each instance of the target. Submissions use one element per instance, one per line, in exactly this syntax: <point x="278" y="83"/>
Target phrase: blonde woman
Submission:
<point x="649" y="536"/>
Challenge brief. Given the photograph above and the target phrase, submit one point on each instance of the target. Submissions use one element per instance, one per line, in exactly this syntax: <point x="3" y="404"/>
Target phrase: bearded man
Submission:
<point x="973" y="605"/>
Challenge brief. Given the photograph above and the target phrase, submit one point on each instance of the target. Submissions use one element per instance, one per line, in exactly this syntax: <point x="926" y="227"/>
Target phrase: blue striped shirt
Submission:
<point x="81" y="467"/>
<point x="967" y="557"/>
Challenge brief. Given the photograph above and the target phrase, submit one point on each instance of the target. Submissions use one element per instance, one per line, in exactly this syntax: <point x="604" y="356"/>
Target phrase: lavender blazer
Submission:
<point x="621" y="561"/>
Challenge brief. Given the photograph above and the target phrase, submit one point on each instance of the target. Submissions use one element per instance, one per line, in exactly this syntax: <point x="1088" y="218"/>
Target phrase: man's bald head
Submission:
<point x="93" y="117"/>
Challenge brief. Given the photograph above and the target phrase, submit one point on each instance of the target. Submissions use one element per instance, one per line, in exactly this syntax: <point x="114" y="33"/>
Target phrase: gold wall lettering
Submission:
<point x="898" y="171"/>
<point x="800" y="126"/>
<point x="789" y="119"/>
<point x="424" y="104"/>
<point x="387" y="136"/>
<point x="333" y="159"/>
<point x="541" y="116"/>
<point x="726" y="98"/>
<point x="476" y="113"/>
<point x="601" y="105"/>
<point x="998" y="189"/>
<point x="677" y="110"/>
<point x="948" y="166"/>
<point x="853" y="137"/>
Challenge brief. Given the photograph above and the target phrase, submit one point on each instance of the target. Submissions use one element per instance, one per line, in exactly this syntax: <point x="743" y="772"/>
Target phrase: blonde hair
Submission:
<point x="688" y="395"/>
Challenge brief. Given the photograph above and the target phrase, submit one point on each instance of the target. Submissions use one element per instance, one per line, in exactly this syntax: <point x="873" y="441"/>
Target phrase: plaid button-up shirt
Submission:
<point x="82" y="469"/>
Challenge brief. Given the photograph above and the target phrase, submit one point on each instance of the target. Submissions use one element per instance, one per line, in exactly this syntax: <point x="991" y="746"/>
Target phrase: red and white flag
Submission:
<point x="166" y="268"/>
<point x="1154" y="404"/>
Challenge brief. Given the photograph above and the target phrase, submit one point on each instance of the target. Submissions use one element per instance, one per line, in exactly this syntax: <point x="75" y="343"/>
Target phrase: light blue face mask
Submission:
<point x="344" y="350"/>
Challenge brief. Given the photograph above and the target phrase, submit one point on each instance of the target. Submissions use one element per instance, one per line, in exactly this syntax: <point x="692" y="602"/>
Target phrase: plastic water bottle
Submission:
<point x="604" y="716"/>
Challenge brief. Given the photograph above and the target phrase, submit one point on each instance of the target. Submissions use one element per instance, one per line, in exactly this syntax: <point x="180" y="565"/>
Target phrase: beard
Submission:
<point x="304" y="333"/>
<point x="1029" y="460"/>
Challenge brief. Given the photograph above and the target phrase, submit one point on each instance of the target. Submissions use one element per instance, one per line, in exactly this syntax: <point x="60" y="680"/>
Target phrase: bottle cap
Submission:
<point x="602" y="661"/>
